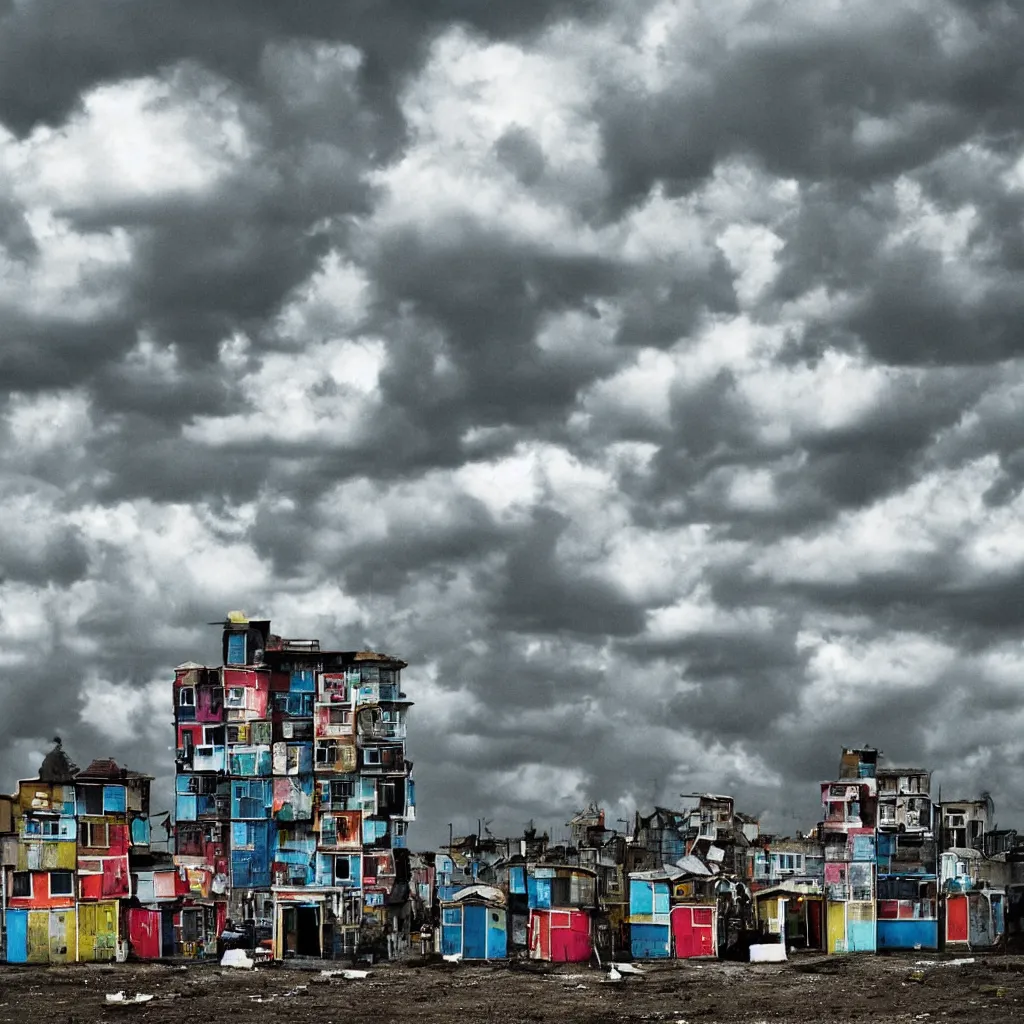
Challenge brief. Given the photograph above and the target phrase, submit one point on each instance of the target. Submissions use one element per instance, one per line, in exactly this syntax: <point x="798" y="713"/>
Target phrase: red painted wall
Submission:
<point x="40" y="898"/>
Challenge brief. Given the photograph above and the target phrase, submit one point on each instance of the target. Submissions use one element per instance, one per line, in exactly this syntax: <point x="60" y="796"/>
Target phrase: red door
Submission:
<point x="704" y="930"/>
<point x="144" y="933"/>
<point x="956" y="919"/>
<point x="682" y="932"/>
<point x="693" y="931"/>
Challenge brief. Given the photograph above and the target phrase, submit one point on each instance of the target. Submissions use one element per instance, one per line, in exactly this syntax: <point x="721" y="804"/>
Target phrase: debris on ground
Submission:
<point x="865" y="988"/>
<point x="236" y="958"/>
<point x="120" y="997"/>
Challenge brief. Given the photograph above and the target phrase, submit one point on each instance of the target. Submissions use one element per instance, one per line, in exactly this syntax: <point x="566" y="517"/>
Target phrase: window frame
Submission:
<point x="190" y="691"/>
<point x="90" y="833"/>
<point x="336" y="796"/>
<point x="71" y="883"/>
<point x="17" y="876"/>
<point x="92" y="790"/>
<point x="326" y="752"/>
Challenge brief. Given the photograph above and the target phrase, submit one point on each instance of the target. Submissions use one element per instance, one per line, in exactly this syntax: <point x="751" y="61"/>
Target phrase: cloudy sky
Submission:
<point x="648" y="375"/>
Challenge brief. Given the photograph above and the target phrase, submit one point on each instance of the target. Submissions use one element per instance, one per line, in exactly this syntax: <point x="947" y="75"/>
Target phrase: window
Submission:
<point x="213" y="735"/>
<point x="326" y="753"/>
<point x="190" y="841"/>
<point x="62" y="883"/>
<point x="187" y="697"/>
<point x="371" y="755"/>
<point x="22" y="884"/>
<point x="399" y="828"/>
<point x="561" y="892"/>
<point x="216" y="699"/>
<point x="886" y="813"/>
<point x="343" y="789"/>
<point x="92" y="799"/>
<point x="97" y="835"/>
<point x="342" y="869"/>
<point x="50" y="827"/>
<point x="339" y="716"/>
<point x="236" y="697"/>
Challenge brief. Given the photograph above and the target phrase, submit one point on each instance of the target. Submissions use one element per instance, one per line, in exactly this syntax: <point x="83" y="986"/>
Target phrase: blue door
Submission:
<point x="17" y="936"/>
<point x="474" y="932"/>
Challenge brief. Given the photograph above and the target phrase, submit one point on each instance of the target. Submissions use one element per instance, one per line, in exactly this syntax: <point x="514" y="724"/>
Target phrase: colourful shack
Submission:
<point x="672" y="914"/>
<point x="562" y="912"/>
<point x="473" y="924"/>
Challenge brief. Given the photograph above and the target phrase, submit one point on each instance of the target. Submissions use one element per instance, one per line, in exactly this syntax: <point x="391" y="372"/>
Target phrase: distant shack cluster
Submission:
<point x="887" y="868"/>
<point x="293" y="801"/>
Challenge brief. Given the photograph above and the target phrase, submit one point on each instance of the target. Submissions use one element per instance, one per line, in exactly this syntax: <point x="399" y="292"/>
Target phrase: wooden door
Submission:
<point x="62" y="937"/>
<point x="38" y="936"/>
<point x="837" y="927"/>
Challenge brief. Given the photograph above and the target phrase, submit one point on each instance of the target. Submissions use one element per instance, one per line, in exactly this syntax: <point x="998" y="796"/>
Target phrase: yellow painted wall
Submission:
<point x="836" y="927"/>
<point x="97" y="930"/>
<point x="47" y="856"/>
<point x="38" y="936"/>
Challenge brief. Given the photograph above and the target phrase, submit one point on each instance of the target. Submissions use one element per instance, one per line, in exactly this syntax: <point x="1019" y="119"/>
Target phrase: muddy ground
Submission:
<point x="857" y="988"/>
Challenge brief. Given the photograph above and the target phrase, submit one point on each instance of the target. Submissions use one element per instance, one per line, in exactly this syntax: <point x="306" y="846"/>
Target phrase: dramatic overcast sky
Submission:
<point x="648" y="375"/>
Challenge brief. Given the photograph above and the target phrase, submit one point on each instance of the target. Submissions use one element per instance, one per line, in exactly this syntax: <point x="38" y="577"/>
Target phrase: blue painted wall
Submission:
<point x="250" y="853"/>
<point x="497" y="933"/>
<point x="649" y="941"/>
<point x="251" y="798"/>
<point x="538" y="891"/>
<point x="302" y="681"/>
<point x="908" y="934"/>
<point x="185" y="807"/>
<point x="860" y="936"/>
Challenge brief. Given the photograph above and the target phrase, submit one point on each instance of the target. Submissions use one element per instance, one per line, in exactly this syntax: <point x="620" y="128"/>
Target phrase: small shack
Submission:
<point x="563" y="912"/>
<point x="798" y="912"/>
<point x="473" y="924"/>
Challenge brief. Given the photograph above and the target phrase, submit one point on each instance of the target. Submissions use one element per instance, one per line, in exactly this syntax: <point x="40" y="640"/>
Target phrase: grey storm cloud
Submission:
<point x="649" y="377"/>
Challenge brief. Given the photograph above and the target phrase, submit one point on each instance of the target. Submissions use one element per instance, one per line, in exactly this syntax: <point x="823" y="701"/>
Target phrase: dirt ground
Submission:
<point x="855" y="988"/>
